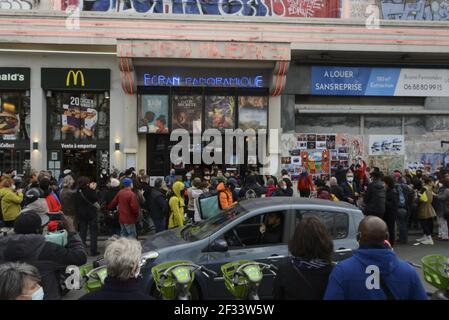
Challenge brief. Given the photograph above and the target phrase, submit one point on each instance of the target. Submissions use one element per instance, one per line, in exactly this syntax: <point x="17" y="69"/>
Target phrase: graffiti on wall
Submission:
<point x="18" y="4"/>
<point x="415" y="9"/>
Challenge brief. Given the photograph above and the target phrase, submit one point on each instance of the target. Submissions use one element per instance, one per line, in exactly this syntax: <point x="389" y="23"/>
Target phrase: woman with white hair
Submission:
<point x="122" y="258"/>
<point x="20" y="281"/>
<point x="67" y="196"/>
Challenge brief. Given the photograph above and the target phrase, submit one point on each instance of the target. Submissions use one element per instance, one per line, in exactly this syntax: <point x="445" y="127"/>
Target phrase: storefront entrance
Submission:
<point x="81" y="162"/>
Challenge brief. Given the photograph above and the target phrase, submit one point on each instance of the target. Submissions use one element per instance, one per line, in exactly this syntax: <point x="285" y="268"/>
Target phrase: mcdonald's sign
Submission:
<point x="75" y="79"/>
<point x="74" y="75"/>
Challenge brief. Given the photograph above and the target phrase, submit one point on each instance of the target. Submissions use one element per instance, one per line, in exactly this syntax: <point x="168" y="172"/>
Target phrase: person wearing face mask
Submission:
<point x="350" y="189"/>
<point x="20" y="281"/>
<point x="28" y="245"/>
<point x="284" y="190"/>
<point x="122" y="257"/>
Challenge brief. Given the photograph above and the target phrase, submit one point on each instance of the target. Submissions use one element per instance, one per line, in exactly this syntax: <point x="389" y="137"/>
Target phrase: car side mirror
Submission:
<point x="219" y="245"/>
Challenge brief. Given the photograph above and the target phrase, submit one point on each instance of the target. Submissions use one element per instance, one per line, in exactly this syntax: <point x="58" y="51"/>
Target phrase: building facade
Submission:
<point x="92" y="85"/>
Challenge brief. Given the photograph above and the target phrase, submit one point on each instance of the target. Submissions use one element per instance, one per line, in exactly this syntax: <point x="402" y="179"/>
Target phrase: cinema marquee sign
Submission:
<point x="15" y="78"/>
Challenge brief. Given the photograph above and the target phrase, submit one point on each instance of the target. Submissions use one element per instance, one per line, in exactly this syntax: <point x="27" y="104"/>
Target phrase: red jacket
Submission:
<point x="306" y="183"/>
<point x="271" y="189"/>
<point x="53" y="203"/>
<point x="128" y="206"/>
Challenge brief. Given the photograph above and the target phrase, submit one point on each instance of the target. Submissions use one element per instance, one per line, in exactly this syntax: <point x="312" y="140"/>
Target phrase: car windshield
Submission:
<point x="205" y="228"/>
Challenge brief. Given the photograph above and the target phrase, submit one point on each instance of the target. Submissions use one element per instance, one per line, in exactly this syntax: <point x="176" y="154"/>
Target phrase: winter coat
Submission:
<point x="53" y="203"/>
<point x="10" y="202"/>
<point x="425" y="208"/>
<point x="251" y="184"/>
<point x="224" y="196"/>
<point x="305" y="182"/>
<point x="158" y="205"/>
<point x="307" y="284"/>
<point x="271" y="188"/>
<point x="50" y="259"/>
<point x="283" y="193"/>
<point x="128" y="206"/>
<point x="39" y="206"/>
<point x="391" y="204"/>
<point x="110" y="195"/>
<point x="116" y="289"/>
<point x="176" y="204"/>
<point x="85" y="209"/>
<point x="349" y="190"/>
<point x="146" y="194"/>
<point x="68" y="201"/>
<point x="349" y="277"/>
<point x="374" y="199"/>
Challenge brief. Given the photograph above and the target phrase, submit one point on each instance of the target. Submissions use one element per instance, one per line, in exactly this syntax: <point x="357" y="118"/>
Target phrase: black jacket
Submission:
<point x="310" y="285"/>
<point x="158" y="205"/>
<point x="349" y="192"/>
<point x="283" y="193"/>
<point x="50" y="259"/>
<point x="375" y="199"/>
<point x="110" y="195"/>
<point x="146" y="194"/>
<point x="115" y="289"/>
<point x="391" y="204"/>
<point x="84" y="207"/>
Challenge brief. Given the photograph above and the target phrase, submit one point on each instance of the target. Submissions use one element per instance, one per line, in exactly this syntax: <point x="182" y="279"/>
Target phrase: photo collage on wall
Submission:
<point x="320" y="154"/>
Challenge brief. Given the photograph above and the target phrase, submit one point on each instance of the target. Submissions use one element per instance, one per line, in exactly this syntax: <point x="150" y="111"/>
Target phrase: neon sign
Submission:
<point x="189" y="81"/>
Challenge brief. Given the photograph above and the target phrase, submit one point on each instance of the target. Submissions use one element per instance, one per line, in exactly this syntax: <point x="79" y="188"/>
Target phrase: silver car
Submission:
<point x="234" y="234"/>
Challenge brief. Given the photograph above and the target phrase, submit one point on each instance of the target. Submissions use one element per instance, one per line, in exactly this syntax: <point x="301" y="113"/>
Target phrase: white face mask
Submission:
<point x="13" y="187"/>
<point x="38" y="294"/>
<point x="284" y="187"/>
<point x="350" y="179"/>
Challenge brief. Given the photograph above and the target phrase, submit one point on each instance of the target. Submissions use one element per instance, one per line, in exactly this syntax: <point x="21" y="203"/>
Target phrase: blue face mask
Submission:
<point x="38" y="294"/>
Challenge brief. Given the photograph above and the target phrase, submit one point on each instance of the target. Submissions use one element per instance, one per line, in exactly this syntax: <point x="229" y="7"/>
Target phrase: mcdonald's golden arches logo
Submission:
<point x="75" y="75"/>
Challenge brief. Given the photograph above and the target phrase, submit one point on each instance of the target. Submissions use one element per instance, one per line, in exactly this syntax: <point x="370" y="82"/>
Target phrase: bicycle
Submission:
<point x="436" y="273"/>
<point x="174" y="279"/>
<point x="243" y="278"/>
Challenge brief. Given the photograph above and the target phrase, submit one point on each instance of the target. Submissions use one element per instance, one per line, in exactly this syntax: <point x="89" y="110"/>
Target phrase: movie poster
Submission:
<point x="253" y="112"/>
<point x="186" y="113"/>
<point x="9" y="120"/>
<point x="220" y="112"/>
<point x="153" y="114"/>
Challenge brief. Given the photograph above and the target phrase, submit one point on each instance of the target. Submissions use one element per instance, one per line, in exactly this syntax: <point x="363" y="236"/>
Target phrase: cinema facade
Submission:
<point x="107" y="91"/>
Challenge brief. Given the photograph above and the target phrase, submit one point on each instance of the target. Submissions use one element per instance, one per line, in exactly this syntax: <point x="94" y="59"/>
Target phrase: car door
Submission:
<point x="272" y="253"/>
<point x="338" y="223"/>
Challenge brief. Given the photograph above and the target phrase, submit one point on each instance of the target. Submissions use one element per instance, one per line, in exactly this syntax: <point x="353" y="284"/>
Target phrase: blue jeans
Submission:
<point x="128" y="231"/>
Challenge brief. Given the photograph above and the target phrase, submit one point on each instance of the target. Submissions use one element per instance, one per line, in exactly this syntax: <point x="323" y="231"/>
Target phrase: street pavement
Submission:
<point x="408" y="252"/>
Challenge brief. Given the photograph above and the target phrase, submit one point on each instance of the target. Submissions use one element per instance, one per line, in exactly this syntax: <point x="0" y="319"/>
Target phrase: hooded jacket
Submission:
<point x="176" y="205"/>
<point x="375" y="199"/>
<point x="50" y="259"/>
<point x="224" y="196"/>
<point x="354" y="278"/>
<point x="10" y="202"/>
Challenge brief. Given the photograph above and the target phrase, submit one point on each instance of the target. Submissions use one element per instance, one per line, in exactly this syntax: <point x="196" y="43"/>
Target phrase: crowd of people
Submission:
<point x="125" y="202"/>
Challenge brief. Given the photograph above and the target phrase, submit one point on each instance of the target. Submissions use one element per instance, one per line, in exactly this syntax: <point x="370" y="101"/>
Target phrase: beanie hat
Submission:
<point x="127" y="182"/>
<point x="27" y="223"/>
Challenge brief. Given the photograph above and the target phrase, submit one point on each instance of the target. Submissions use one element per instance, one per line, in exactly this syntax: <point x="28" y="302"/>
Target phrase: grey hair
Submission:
<point x="13" y="276"/>
<point x="122" y="257"/>
<point x="68" y="181"/>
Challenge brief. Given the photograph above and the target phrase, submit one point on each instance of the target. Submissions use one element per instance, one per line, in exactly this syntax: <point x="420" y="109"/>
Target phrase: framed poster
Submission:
<point x="220" y="112"/>
<point x="186" y="113"/>
<point x="253" y="112"/>
<point x="153" y="114"/>
<point x="9" y="120"/>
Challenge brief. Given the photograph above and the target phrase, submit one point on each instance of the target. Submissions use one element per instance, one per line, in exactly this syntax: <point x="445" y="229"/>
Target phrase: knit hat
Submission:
<point x="27" y="223"/>
<point x="127" y="182"/>
<point x="115" y="183"/>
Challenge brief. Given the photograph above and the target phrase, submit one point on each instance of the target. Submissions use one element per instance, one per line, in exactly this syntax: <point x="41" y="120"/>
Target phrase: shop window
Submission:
<point x="78" y="116"/>
<point x="324" y="124"/>
<point x="14" y="116"/>
<point x="383" y="125"/>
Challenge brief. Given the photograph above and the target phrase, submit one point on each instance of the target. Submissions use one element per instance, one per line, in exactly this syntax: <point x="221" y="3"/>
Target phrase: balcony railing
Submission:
<point x="430" y="10"/>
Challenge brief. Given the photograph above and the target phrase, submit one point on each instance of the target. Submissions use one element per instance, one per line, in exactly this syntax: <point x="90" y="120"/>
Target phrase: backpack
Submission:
<point x="208" y="205"/>
<point x="402" y="198"/>
<point x="250" y="194"/>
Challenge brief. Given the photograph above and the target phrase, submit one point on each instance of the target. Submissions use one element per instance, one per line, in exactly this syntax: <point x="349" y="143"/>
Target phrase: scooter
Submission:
<point x="436" y="273"/>
<point x="174" y="279"/>
<point x="243" y="278"/>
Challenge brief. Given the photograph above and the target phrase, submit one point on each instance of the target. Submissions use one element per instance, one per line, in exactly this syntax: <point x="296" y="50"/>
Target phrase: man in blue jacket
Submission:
<point x="374" y="272"/>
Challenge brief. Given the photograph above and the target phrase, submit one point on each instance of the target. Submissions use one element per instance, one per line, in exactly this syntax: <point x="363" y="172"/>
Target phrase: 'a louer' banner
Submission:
<point x="365" y="81"/>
